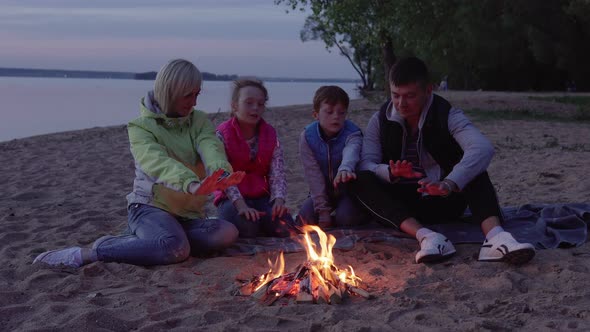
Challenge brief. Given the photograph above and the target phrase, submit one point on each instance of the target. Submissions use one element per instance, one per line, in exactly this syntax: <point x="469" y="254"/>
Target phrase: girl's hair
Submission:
<point x="175" y="79"/>
<point x="244" y="82"/>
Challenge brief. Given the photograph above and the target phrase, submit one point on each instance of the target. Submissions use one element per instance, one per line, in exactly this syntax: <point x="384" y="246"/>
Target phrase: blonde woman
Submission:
<point x="174" y="147"/>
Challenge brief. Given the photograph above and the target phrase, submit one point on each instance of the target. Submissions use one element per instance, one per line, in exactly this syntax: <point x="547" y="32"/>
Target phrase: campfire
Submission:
<point x="317" y="280"/>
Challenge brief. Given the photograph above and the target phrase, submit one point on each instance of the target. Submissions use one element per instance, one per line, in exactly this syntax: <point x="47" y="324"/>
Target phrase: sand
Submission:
<point x="69" y="188"/>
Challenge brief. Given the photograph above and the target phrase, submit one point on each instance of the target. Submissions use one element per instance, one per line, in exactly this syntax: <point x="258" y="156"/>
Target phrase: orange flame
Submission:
<point x="323" y="261"/>
<point x="276" y="269"/>
<point x="323" y="273"/>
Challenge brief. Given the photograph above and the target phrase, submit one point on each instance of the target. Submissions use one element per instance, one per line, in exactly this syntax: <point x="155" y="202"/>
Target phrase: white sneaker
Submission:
<point x="434" y="247"/>
<point x="503" y="247"/>
<point x="69" y="257"/>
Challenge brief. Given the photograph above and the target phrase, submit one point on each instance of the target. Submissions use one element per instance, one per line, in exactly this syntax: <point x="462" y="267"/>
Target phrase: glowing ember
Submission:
<point x="318" y="280"/>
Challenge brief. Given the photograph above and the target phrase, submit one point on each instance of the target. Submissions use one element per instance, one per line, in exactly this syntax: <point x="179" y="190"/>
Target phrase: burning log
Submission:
<point x="304" y="294"/>
<point x="318" y="280"/>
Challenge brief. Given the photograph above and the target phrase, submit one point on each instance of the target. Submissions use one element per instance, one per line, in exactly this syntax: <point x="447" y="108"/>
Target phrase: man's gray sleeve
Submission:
<point x="477" y="149"/>
<point x="371" y="152"/>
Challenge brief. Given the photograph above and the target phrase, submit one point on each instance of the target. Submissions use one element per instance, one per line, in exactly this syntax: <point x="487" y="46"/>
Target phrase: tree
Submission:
<point x="355" y="28"/>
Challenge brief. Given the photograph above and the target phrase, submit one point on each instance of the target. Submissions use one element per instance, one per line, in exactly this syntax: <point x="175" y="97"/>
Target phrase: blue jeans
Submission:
<point x="155" y="237"/>
<point x="348" y="212"/>
<point x="265" y="226"/>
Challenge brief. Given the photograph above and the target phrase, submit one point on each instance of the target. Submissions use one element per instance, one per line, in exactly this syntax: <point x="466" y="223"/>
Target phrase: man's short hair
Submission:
<point x="409" y="70"/>
<point x="331" y="95"/>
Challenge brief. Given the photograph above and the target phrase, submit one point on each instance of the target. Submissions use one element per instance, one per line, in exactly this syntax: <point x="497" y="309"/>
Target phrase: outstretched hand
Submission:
<point x="403" y="169"/>
<point x="219" y="181"/>
<point x="342" y="177"/>
<point x="279" y="208"/>
<point x="434" y="188"/>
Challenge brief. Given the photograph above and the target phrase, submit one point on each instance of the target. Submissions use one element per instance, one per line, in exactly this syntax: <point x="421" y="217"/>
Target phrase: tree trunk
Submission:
<point x="388" y="58"/>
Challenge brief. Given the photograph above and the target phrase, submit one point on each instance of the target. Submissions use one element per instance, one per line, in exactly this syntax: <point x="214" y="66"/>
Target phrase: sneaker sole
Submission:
<point x="517" y="257"/>
<point x="435" y="258"/>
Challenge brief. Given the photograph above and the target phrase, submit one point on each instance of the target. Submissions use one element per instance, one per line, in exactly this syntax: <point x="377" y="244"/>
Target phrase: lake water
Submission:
<point x="34" y="106"/>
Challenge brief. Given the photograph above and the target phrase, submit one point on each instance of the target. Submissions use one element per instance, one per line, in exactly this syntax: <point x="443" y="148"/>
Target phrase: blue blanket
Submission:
<point x="544" y="225"/>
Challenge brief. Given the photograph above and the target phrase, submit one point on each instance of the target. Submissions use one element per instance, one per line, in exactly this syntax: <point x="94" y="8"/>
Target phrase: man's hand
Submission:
<point x="343" y="176"/>
<point x="403" y="169"/>
<point x="279" y="208"/>
<point x="247" y="212"/>
<point x="217" y="181"/>
<point x="435" y="188"/>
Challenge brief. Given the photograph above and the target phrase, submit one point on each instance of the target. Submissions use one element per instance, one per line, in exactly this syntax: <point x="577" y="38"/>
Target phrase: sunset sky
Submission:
<point x="244" y="37"/>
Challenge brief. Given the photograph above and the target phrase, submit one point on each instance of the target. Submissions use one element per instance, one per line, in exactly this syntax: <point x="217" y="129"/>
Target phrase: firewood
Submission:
<point x="360" y="292"/>
<point x="304" y="294"/>
<point x="334" y="295"/>
<point x="323" y="295"/>
<point x="245" y="289"/>
<point x="260" y="292"/>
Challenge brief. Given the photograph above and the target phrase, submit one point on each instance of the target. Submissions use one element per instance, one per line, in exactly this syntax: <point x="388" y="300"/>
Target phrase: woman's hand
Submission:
<point x="403" y="169"/>
<point x="279" y="208"/>
<point x="343" y="176"/>
<point x="247" y="212"/>
<point x="219" y="180"/>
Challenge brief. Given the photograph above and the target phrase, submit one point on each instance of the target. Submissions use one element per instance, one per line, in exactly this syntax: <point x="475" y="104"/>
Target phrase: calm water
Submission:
<point x="34" y="106"/>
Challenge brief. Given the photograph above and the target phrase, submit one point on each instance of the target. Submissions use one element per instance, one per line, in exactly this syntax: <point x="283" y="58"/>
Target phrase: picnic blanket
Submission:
<point x="546" y="226"/>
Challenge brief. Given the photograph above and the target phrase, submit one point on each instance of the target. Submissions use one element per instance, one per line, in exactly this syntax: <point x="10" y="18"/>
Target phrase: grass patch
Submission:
<point x="573" y="100"/>
<point x="581" y="115"/>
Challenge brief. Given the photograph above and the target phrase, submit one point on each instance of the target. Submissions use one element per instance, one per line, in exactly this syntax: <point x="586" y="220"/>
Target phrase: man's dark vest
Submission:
<point x="437" y="139"/>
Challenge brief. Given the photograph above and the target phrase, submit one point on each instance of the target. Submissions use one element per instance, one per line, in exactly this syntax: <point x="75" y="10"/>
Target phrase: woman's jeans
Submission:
<point x="155" y="237"/>
<point x="265" y="226"/>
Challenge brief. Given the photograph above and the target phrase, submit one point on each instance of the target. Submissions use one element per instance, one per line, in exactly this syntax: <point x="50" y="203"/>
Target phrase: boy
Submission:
<point x="329" y="149"/>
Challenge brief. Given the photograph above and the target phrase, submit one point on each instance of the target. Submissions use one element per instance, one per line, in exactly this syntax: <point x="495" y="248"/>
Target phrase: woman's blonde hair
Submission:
<point x="175" y="79"/>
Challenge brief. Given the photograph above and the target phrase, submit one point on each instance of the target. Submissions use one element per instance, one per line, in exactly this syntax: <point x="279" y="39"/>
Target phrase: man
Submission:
<point x="423" y="161"/>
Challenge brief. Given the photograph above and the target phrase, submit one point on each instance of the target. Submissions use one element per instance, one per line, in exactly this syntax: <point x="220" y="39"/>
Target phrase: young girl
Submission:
<point x="173" y="146"/>
<point x="257" y="205"/>
<point x="329" y="149"/>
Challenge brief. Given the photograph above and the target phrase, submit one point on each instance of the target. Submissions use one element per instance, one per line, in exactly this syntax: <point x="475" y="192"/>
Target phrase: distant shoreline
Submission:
<point x="59" y="73"/>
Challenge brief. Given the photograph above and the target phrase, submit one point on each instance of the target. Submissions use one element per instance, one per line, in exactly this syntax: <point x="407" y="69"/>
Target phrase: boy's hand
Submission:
<point x="279" y="208"/>
<point x="217" y="181"/>
<point x="403" y="169"/>
<point x="343" y="176"/>
<point x="435" y="188"/>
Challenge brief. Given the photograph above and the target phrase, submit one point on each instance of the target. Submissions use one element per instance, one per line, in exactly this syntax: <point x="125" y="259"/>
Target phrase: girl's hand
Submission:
<point x="247" y="212"/>
<point x="403" y="169"/>
<point x="279" y="208"/>
<point x="343" y="176"/>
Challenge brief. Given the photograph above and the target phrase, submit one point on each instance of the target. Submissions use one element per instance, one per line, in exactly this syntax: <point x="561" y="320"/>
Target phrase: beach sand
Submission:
<point x="69" y="188"/>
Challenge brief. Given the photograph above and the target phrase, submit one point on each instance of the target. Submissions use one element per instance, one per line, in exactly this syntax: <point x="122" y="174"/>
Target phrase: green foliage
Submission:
<point x="484" y="44"/>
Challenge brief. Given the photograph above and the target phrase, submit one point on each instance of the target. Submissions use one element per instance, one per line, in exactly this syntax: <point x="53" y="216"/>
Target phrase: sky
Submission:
<point x="244" y="37"/>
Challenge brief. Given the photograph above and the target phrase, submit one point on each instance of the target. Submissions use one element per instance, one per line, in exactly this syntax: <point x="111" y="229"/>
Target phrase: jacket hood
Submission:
<point x="149" y="108"/>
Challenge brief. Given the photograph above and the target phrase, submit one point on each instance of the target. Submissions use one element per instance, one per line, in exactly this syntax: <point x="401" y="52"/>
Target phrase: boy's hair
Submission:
<point x="409" y="70"/>
<point x="331" y="95"/>
<point x="175" y="79"/>
<point x="244" y="82"/>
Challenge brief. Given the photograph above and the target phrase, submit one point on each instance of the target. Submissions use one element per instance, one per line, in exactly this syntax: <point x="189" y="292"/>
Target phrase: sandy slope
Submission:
<point x="68" y="189"/>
